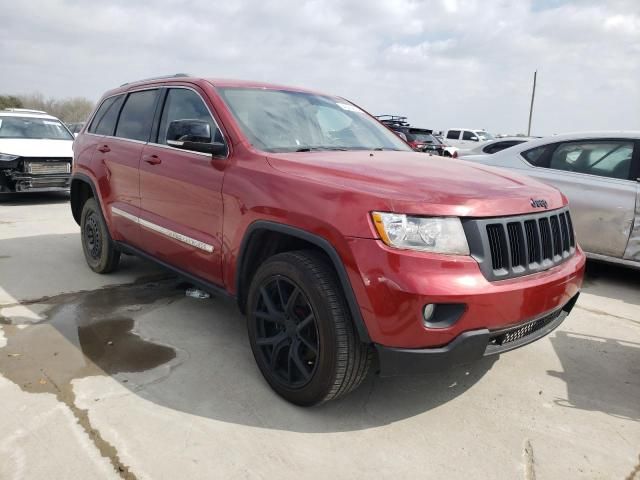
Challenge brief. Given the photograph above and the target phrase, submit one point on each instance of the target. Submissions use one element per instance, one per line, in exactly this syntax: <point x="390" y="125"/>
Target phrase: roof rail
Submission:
<point x="397" y="120"/>
<point x="23" y="110"/>
<point x="175" y="75"/>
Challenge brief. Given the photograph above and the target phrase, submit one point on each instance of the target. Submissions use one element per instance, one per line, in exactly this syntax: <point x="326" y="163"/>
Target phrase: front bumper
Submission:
<point x="392" y="287"/>
<point x="469" y="346"/>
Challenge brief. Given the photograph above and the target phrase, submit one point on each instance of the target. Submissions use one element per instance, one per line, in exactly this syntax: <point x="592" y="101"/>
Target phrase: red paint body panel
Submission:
<point x="392" y="289"/>
<point x="331" y="195"/>
<point x="183" y="193"/>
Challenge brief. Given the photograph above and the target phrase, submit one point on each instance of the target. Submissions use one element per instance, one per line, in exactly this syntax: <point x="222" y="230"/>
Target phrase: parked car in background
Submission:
<point x="600" y="174"/>
<point x="494" y="146"/>
<point x="338" y="241"/>
<point x="35" y="151"/>
<point x="466" y="138"/>
<point x="75" y="127"/>
<point x="420" y="139"/>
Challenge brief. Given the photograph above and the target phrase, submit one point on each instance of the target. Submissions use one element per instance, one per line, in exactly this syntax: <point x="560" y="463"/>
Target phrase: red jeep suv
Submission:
<point x="344" y="248"/>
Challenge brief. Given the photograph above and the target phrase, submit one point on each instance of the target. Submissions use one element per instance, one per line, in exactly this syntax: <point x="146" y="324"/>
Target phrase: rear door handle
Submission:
<point x="104" y="149"/>
<point x="152" y="159"/>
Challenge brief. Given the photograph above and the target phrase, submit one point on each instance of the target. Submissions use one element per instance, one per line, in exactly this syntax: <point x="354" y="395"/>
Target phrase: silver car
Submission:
<point x="494" y="146"/>
<point x="600" y="174"/>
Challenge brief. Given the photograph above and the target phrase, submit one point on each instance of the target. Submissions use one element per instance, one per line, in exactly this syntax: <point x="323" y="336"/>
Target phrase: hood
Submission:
<point x="26" y="147"/>
<point x="416" y="183"/>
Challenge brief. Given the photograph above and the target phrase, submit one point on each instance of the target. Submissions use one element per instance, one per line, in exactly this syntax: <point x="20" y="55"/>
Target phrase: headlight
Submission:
<point x="5" y="157"/>
<point x="429" y="234"/>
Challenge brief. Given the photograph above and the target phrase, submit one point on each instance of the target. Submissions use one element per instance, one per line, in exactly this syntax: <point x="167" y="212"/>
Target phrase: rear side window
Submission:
<point x="104" y="122"/>
<point x="535" y="156"/>
<point x="453" y="134"/>
<point x="183" y="104"/>
<point x="499" y="146"/>
<point x="467" y="135"/>
<point x="136" y="117"/>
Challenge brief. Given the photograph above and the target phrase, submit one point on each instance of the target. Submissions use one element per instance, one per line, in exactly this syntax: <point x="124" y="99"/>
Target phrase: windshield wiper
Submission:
<point x="315" y="149"/>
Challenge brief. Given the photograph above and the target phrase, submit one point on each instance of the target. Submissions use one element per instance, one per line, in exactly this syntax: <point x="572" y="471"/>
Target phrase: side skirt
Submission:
<point x="202" y="284"/>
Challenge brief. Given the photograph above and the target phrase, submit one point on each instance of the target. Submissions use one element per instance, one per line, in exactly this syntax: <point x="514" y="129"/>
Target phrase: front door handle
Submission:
<point x="104" y="149"/>
<point x="152" y="159"/>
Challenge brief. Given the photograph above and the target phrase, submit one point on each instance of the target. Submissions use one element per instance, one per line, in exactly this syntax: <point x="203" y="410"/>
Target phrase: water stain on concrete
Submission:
<point x="86" y="334"/>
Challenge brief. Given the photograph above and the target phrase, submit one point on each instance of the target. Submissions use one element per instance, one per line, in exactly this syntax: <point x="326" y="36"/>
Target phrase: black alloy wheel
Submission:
<point x="286" y="333"/>
<point x="300" y="329"/>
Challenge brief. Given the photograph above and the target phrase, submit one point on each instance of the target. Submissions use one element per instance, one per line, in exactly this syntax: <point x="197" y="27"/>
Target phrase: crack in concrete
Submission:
<point x="635" y="473"/>
<point x="608" y="314"/>
<point x="527" y="454"/>
<point x="86" y="334"/>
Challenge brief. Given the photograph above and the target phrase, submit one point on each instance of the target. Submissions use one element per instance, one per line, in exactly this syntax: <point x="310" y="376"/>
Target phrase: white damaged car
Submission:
<point x="35" y="151"/>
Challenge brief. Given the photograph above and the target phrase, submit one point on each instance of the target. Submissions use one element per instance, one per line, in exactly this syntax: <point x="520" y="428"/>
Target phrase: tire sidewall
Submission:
<point x="99" y="264"/>
<point x="324" y="376"/>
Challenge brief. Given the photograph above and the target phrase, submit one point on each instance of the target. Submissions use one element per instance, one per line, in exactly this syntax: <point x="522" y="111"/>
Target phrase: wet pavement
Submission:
<point x="122" y="376"/>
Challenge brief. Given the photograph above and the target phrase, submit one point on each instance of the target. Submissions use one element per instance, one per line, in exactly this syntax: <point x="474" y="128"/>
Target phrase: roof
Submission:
<point x="601" y="134"/>
<point x="465" y="128"/>
<point x="216" y="82"/>
<point x="24" y="112"/>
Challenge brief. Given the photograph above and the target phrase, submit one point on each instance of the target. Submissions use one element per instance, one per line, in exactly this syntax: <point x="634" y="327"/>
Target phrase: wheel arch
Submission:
<point x="253" y="253"/>
<point x="82" y="188"/>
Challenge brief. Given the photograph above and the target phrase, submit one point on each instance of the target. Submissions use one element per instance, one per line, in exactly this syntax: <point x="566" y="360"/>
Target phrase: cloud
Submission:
<point x="449" y="63"/>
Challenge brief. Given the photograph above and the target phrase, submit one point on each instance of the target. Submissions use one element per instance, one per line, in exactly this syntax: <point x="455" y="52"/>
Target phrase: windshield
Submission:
<point x="422" y="137"/>
<point x="286" y="121"/>
<point x="484" y="136"/>
<point x="33" y="128"/>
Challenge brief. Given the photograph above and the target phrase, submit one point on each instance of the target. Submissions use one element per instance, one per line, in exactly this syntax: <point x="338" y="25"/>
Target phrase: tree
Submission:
<point x="9" y="101"/>
<point x="76" y="109"/>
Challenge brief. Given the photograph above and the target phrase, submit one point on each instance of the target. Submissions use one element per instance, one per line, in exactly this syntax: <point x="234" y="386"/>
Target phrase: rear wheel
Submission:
<point x="301" y="331"/>
<point x="100" y="251"/>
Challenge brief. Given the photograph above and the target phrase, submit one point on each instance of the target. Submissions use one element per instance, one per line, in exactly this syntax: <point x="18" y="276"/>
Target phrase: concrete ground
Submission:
<point x="123" y="376"/>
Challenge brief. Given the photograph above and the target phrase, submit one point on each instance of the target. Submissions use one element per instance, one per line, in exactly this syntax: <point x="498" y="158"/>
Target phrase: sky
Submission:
<point x="447" y="63"/>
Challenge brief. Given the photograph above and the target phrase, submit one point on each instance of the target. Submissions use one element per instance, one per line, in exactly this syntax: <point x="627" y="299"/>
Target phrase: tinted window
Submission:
<point x="183" y="104"/>
<point x="499" y="146"/>
<point x="104" y="121"/>
<point x="467" y="135"/>
<point x="137" y="115"/>
<point x="453" y="134"/>
<point x="606" y="159"/>
<point x="422" y="136"/>
<point x="535" y="156"/>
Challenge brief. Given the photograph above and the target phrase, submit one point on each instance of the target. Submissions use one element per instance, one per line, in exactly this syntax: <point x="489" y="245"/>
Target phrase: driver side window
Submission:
<point x="184" y="104"/>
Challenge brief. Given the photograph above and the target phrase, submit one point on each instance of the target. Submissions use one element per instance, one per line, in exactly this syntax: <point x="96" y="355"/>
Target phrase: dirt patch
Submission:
<point x="86" y="334"/>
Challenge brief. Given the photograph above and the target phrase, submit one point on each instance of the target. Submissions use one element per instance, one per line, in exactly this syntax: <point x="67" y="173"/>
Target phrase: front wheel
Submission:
<point x="100" y="252"/>
<point x="301" y="332"/>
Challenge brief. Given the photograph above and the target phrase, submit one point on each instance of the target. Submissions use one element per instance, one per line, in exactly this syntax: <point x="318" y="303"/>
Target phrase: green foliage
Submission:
<point x="75" y="109"/>
<point x="9" y="101"/>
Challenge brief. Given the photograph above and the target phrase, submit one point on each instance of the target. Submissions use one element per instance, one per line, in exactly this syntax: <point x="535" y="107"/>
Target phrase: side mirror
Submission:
<point x="474" y="138"/>
<point x="194" y="135"/>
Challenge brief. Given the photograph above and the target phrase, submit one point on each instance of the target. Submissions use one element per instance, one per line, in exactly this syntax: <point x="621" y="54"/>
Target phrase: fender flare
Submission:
<point x="323" y="245"/>
<point x="84" y="178"/>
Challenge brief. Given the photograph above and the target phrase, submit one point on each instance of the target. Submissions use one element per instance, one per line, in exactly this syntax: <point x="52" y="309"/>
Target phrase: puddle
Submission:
<point x="85" y="334"/>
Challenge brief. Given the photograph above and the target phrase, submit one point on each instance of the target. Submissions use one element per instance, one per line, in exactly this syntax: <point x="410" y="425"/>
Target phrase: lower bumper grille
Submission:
<point x="521" y="332"/>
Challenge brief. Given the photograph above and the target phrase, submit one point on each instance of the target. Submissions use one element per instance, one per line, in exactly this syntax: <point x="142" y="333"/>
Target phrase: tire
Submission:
<point x="100" y="251"/>
<point x="326" y="347"/>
